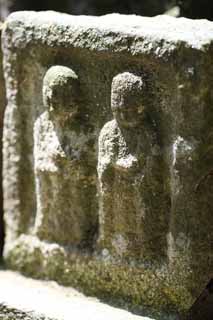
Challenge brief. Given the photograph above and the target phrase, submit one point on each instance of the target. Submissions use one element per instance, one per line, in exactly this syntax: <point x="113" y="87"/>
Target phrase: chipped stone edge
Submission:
<point x="113" y="33"/>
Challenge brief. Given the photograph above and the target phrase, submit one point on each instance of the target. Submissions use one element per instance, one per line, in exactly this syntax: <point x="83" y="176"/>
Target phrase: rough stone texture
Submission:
<point x="173" y="59"/>
<point x="2" y="108"/>
<point x="133" y="203"/>
<point x="65" y="182"/>
<point x="8" y="313"/>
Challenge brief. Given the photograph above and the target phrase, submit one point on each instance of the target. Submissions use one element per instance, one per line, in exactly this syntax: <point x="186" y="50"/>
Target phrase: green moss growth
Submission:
<point x="146" y="290"/>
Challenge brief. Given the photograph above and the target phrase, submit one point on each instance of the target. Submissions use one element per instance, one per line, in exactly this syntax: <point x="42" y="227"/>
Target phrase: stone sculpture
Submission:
<point x="153" y="164"/>
<point x="128" y="160"/>
<point x="63" y="185"/>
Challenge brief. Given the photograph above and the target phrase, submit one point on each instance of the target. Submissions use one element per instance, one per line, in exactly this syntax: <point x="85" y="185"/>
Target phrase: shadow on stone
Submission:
<point x="202" y="309"/>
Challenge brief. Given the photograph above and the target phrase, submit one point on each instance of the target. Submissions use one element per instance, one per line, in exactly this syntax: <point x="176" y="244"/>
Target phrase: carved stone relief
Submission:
<point x="129" y="162"/>
<point x="64" y="188"/>
<point x="99" y="174"/>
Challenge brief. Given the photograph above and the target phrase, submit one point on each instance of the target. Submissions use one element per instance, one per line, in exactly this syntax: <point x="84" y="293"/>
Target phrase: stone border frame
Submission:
<point x="23" y="33"/>
<point x="131" y="44"/>
<point x="136" y="38"/>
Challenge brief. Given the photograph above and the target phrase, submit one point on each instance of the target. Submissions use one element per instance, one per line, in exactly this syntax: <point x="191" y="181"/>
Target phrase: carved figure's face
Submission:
<point x="126" y="99"/>
<point x="129" y="115"/>
<point x="60" y="91"/>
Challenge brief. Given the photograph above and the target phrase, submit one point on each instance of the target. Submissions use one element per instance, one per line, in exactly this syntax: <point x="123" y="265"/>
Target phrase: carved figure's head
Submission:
<point x="126" y="99"/>
<point x="60" y="91"/>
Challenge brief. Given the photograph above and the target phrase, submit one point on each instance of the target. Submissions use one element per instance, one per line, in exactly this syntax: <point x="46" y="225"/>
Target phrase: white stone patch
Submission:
<point x="58" y="302"/>
<point x="191" y="70"/>
<point x="180" y="146"/>
<point x="181" y="86"/>
<point x="106" y="146"/>
<point x="195" y="34"/>
<point x="128" y="162"/>
<point x="46" y="146"/>
<point x="120" y="244"/>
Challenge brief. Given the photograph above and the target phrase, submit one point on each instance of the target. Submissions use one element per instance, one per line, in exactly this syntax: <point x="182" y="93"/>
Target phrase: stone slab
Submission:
<point x="174" y="58"/>
<point x="51" y="301"/>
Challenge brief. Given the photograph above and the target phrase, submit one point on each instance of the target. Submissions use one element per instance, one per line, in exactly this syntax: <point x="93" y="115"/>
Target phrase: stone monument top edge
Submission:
<point x="193" y="33"/>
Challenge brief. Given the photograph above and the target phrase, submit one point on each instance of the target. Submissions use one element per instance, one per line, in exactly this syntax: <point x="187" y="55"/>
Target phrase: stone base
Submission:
<point x="29" y="299"/>
<point x="142" y="289"/>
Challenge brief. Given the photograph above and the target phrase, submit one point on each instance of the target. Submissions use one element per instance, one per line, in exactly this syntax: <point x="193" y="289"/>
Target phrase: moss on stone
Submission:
<point x="149" y="290"/>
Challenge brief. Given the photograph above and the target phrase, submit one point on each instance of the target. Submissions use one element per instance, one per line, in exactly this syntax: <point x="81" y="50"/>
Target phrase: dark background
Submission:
<point x="195" y="9"/>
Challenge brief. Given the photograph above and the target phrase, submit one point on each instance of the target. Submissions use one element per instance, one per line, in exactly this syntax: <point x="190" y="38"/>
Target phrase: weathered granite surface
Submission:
<point x="132" y="202"/>
<point x="151" y="245"/>
<point x="2" y="108"/>
<point x="65" y="183"/>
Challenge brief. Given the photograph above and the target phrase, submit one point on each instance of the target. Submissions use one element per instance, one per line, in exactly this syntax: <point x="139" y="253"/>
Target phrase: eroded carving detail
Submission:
<point x="130" y="177"/>
<point x="65" y="187"/>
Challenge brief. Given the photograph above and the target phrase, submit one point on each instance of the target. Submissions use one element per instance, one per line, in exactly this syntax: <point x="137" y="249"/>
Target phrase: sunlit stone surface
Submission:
<point x="112" y="197"/>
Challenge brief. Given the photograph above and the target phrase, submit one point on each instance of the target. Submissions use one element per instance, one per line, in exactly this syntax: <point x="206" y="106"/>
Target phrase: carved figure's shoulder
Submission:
<point x="43" y="123"/>
<point x="109" y="131"/>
